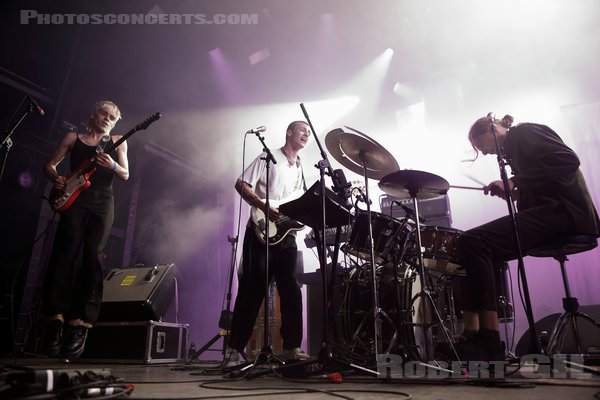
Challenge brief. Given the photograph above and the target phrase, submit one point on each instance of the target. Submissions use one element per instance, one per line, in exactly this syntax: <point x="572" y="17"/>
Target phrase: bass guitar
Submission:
<point x="277" y="230"/>
<point x="79" y="179"/>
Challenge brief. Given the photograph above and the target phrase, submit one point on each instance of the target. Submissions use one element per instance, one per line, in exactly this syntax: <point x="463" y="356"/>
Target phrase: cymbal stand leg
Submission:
<point x="375" y="294"/>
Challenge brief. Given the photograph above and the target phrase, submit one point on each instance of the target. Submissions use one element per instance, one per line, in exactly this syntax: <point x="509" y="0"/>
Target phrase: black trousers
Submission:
<point x="251" y="290"/>
<point x="71" y="288"/>
<point x="485" y="247"/>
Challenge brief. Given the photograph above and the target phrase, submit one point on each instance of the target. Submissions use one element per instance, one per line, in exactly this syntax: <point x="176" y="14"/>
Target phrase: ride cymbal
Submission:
<point x="357" y="151"/>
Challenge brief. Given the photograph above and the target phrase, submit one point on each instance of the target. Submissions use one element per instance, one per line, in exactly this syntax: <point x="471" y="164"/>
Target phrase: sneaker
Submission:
<point x="294" y="354"/>
<point x="231" y="357"/>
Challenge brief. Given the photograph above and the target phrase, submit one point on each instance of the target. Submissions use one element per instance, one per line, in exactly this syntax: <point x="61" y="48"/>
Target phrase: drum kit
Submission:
<point x="398" y="293"/>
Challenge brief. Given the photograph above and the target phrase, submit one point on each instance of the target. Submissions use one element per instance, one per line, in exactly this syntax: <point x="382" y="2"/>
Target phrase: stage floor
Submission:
<point x="205" y="379"/>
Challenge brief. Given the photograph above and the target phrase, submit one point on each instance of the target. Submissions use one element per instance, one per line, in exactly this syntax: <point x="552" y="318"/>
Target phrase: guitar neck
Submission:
<point x="113" y="145"/>
<point x="143" y="125"/>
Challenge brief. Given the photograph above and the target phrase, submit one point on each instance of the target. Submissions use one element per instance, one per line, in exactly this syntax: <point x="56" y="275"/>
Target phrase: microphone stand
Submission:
<point x="534" y="345"/>
<point x="226" y="315"/>
<point x="267" y="350"/>
<point x="6" y="142"/>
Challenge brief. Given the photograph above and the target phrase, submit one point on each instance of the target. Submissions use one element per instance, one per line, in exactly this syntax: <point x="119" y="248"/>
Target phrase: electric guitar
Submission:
<point x="277" y="230"/>
<point x="79" y="179"/>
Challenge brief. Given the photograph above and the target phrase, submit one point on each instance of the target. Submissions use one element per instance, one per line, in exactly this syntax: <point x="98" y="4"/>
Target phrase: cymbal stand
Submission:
<point x="374" y="286"/>
<point x="428" y="351"/>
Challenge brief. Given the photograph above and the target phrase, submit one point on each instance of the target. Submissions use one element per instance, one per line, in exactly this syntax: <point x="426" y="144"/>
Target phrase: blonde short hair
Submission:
<point x="99" y="106"/>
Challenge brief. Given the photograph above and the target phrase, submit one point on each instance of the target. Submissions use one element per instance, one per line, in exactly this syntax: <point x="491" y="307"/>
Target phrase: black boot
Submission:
<point x="53" y="338"/>
<point x="495" y="347"/>
<point x="75" y="342"/>
<point x="445" y="351"/>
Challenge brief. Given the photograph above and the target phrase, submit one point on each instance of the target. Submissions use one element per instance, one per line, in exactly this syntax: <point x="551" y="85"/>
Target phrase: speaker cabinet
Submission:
<point x="138" y="293"/>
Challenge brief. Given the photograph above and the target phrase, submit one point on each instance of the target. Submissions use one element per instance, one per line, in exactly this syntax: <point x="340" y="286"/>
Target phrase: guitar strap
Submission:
<point x="303" y="180"/>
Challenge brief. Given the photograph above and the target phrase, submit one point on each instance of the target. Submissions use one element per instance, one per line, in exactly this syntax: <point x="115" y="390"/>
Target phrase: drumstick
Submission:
<point x="466" y="187"/>
<point x="474" y="179"/>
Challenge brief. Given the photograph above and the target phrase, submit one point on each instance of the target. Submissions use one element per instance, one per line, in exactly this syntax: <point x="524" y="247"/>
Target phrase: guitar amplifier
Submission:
<point x="139" y="293"/>
<point x="436" y="211"/>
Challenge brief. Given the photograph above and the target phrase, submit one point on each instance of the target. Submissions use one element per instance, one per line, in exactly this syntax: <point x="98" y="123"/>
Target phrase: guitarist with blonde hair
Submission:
<point x="72" y="290"/>
<point x="285" y="183"/>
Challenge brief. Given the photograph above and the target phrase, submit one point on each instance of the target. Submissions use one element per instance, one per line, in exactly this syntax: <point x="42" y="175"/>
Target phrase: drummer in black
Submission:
<point x="552" y="200"/>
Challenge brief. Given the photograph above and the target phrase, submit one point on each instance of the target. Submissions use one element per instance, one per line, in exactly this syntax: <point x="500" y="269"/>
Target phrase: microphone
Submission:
<point x="340" y="184"/>
<point x="362" y="197"/>
<point x="409" y="211"/>
<point x="260" y="129"/>
<point x="36" y="106"/>
<point x="492" y="117"/>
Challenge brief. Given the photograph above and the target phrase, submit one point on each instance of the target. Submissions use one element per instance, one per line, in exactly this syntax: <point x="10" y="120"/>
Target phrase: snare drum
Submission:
<point x="441" y="248"/>
<point x="384" y="229"/>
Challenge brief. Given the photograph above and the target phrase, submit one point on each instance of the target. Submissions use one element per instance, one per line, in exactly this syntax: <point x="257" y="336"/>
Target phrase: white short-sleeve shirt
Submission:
<point x="285" y="178"/>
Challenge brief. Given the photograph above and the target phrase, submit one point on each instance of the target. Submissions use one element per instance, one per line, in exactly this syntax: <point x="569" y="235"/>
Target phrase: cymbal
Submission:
<point x="355" y="149"/>
<point x="410" y="183"/>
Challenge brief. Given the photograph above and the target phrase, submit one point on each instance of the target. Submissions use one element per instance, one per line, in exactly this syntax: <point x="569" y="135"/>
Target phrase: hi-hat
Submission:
<point x="356" y="151"/>
<point x="410" y="183"/>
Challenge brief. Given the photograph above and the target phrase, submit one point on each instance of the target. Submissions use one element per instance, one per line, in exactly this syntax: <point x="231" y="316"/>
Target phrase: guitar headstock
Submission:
<point x="146" y="123"/>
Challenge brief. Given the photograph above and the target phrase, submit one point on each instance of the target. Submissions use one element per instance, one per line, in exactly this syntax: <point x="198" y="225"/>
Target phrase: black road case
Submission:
<point x="146" y="342"/>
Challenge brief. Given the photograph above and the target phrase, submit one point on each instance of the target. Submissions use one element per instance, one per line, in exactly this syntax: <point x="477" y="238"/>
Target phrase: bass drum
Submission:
<point x="409" y="326"/>
<point x="420" y="328"/>
<point x="354" y="324"/>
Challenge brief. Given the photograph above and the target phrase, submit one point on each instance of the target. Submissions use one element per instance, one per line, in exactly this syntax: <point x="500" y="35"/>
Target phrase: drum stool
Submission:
<point x="559" y="249"/>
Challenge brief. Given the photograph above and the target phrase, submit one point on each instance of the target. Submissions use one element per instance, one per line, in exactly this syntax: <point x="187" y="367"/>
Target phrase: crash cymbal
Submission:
<point x="410" y="183"/>
<point x="355" y="149"/>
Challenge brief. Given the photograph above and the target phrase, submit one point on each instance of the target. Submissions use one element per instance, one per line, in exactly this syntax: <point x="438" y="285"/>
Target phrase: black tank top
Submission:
<point x="102" y="178"/>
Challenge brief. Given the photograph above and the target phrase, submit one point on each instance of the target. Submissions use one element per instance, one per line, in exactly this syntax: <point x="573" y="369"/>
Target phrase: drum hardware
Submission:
<point x="419" y="185"/>
<point x="363" y="155"/>
<point x="505" y="307"/>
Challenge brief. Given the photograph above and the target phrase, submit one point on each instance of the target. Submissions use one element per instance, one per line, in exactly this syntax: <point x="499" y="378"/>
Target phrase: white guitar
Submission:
<point x="277" y="230"/>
